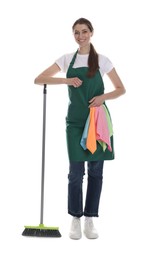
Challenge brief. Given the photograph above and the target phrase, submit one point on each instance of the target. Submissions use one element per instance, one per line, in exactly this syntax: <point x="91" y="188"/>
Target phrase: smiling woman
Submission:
<point x="83" y="31"/>
<point x="82" y="34"/>
<point x="84" y="70"/>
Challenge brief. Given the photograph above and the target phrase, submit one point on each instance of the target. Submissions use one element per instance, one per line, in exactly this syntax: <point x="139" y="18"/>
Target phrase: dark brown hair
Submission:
<point x="93" y="63"/>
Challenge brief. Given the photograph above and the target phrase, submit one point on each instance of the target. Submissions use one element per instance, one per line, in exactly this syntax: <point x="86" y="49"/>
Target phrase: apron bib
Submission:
<point x="78" y="112"/>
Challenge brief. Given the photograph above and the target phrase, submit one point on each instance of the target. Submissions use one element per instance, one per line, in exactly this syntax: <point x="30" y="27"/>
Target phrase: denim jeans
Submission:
<point x="93" y="192"/>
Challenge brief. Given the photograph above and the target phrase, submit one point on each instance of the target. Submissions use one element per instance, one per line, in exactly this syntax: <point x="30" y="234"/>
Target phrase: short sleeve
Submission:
<point x="105" y="64"/>
<point x="64" y="61"/>
<point x="61" y="63"/>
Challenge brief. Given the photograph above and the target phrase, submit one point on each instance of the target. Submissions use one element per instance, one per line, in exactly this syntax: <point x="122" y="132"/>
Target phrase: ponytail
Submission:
<point x="93" y="62"/>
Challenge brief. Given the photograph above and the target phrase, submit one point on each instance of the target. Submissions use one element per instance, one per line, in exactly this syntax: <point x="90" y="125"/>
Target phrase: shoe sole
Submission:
<point x="90" y="237"/>
<point x="75" y="238"/>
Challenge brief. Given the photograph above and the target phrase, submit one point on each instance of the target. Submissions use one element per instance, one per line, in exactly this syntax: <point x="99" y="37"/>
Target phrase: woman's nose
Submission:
<point x="80" y="35"/>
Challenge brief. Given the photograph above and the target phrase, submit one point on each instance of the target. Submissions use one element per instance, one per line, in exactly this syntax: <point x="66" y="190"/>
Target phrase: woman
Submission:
<point x="84" y="71"/>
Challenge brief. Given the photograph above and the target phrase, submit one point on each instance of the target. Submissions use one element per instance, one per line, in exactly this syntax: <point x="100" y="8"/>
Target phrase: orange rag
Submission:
<point x="91" y="137"/>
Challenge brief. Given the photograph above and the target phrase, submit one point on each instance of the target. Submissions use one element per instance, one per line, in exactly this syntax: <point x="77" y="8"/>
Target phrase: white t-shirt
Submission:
<point x="82" y="61"/>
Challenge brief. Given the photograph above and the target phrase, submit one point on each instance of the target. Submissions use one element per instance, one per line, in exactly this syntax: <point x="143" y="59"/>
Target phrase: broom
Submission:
<point x="41" y="230"/>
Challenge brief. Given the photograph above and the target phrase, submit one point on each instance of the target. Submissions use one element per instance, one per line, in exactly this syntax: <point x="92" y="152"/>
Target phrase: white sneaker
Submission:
<point x="75" y="230"/>
<point x="89" y="229"/>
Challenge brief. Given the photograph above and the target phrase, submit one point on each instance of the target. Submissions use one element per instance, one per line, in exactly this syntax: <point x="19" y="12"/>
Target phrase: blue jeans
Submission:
<point x="75" y="188"/>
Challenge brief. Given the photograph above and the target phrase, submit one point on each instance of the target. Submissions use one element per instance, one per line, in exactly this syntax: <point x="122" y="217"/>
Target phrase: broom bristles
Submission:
<point x="41" y="231"/>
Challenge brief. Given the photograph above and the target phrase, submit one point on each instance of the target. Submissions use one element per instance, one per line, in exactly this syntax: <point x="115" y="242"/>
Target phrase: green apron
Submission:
<point x="78" y="112"/>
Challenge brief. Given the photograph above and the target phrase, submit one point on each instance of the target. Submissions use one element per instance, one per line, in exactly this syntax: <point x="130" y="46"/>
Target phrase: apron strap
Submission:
<point x="73" y="59"/>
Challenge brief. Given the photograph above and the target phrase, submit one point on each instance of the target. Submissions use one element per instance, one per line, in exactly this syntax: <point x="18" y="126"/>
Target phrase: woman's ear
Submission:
<point x="92" y="33"/>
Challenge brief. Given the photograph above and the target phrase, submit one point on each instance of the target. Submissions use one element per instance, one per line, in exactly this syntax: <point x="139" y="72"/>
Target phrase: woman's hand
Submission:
<point x="75" y="82"/>
<point x="96" y="101"/>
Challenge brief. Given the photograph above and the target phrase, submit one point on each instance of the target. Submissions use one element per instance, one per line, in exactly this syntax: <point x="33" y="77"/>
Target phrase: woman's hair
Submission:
<point x="93" y="63"/>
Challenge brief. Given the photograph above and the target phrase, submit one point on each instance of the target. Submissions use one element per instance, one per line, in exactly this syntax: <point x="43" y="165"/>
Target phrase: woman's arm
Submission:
<point x="47" y="77"/>
<point x="119" y="90"/>
<point x="118" y="85"/>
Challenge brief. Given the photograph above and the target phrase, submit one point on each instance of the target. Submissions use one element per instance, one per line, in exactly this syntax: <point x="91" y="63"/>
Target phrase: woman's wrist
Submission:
<point x="64" y="80"/>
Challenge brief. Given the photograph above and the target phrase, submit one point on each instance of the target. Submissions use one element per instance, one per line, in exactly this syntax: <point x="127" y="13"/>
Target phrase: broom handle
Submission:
<point x="43" y="153"/>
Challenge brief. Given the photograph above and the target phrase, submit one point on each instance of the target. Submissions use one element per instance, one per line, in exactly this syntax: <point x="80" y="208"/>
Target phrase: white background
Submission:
<point x="32" y="35"/>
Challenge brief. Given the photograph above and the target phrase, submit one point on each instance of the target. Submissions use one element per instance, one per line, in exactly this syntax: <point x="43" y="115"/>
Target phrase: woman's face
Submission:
<point x="82" y="35"/>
